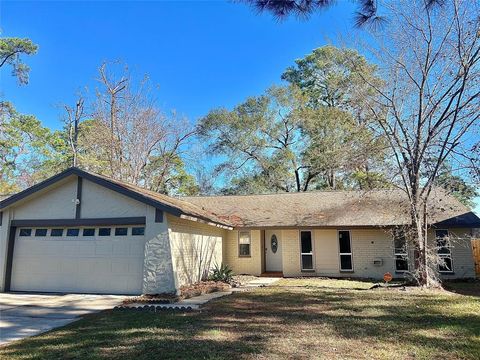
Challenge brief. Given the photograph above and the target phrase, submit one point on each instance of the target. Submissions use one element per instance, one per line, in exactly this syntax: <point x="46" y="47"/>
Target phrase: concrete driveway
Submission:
<point x="23" y="315"/>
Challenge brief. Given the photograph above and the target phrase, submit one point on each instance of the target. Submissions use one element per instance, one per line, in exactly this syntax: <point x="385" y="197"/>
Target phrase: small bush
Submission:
<point x="222" y="273"/>
<point x="203" y="287"/>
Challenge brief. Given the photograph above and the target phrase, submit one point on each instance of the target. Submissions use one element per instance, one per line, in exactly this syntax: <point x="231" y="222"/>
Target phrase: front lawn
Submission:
<point x="296" y="318"/>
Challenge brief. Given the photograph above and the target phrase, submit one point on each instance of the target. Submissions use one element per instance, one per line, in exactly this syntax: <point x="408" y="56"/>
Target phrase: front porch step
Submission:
<point x="261" y="282"/>
<point x="272" y="274"/>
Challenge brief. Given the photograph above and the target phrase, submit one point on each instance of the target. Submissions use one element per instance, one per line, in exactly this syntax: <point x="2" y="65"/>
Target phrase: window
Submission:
<point x="158" y="216"/>
<point x="400" y="251"/>
<point x="444" y="251"/>
<point x="244" y="243"/>
<point x="40" y="232"/>
<point x="88" y="232"/>
<point x="306" y="250"/>
<point x="73" y="232"/>
<point x="345" y="244"/>
<point x="104" y="231"/>
<point x="121" y="231"/>
<point x="25" y="232"/>
<point x="138" y="231"/>
<point x="56" y="232"/>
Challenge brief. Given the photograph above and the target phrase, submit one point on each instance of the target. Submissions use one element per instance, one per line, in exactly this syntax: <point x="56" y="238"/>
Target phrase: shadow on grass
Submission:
<point x="470" y="288"/>
<point x="276" y="322"/>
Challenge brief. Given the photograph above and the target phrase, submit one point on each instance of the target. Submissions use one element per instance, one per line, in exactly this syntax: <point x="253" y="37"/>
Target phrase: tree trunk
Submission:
<point x="420" y="240"/>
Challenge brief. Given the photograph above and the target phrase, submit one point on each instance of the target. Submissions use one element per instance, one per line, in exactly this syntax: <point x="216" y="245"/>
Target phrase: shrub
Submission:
<point x="222" y="273"/>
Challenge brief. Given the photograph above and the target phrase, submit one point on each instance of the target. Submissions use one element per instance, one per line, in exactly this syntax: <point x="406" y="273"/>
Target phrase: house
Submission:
<point x="83" y="232"/>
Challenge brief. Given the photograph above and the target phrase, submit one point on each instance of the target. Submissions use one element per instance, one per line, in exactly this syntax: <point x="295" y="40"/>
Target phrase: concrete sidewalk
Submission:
<point x="261" y="282"/>
<point x="23" y="315"/>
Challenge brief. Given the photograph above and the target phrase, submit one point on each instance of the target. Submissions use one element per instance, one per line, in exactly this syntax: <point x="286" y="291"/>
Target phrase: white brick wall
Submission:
<point x="462" y="254"/>
<point x="367" y="245"/>
<point x="244" y="265"/>
<point x="196" y="248"/>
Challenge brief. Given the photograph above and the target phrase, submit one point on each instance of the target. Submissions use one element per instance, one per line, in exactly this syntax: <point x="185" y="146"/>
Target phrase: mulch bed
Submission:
<point x="201" y="288"/>
<point x="186" y="292"/>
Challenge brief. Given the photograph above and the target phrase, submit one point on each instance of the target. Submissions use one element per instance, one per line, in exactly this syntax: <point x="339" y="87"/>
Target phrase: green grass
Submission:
<point x="296" y="318"/>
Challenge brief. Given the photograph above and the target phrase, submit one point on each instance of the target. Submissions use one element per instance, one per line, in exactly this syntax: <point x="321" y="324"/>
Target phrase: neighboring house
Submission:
<point x="82" y="232"/>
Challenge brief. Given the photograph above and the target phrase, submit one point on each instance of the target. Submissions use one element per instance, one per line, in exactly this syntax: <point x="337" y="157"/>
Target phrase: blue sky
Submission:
<point x="201" y="54"/>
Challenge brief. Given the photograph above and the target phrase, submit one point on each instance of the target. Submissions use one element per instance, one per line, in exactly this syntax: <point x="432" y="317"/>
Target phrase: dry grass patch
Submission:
<point x="292" y="319"/>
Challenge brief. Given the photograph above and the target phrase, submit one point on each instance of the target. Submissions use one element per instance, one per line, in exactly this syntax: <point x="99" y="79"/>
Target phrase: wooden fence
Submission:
<point x="476" y="255"/>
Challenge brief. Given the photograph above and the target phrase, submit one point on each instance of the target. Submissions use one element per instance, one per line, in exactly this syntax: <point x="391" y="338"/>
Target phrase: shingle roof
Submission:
<point x="309" y="209"/>
<point x="184" y="206"/>
<point x="332" y="209"/>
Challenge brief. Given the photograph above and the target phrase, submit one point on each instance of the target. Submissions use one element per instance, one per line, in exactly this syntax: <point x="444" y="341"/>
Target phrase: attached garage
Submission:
<point x="79" y="232"/>
<point x="106" y="259"/>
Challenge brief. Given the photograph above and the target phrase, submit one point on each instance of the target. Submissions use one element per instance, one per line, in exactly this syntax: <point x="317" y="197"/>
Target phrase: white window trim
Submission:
<point x="310" y="253"/>
<point x="445" y="255"/>
<point x="250" y="243"/>
<point x="340" y="254"/>
<point x="405" y="255"/>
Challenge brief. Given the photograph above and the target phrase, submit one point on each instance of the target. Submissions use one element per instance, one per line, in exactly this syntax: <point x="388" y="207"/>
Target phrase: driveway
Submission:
<point x="23" y="315"/>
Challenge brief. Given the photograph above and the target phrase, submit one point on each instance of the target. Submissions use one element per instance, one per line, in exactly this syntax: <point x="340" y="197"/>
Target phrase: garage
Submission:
<point x="80" y="232"/>
<point x="105" y="259"/>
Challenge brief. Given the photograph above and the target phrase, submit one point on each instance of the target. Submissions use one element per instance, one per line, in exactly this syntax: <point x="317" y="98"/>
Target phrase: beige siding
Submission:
<point x="56" y="202"/>
<point x="291" y="253"/>
<point x="367" y="246"/>
<point x="326" y="252"/>
<point x="462" y="254"/>
<point x="244" y="265"/>
<point x="99" y="201"/>
<point x="196" y="249"/>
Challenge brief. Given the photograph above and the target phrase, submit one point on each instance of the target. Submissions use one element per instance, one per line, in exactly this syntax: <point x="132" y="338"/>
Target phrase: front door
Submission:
<point x="273" y="251"/>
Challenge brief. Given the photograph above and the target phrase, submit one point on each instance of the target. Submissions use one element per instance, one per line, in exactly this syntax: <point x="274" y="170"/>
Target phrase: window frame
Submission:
<point x="89" y="236"/>
<point x="42" y="229"/>
<point x="57" y="229"/>
<point x="449" y="255"/>
<point x="122" y="228"/>
<point x="398" y="254"/>
<point x="28" y="230"/>
<point x="340" y="254"/>
<point x="136" y="228"/>
<point x="312" y="253"/>
<point x="73" y="229"/>
<point x="249" y="232"/>
<point x="105" y="228"/>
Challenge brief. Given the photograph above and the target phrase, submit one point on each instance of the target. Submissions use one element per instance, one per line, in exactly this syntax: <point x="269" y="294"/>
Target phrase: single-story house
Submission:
<point x="83" y="232"/>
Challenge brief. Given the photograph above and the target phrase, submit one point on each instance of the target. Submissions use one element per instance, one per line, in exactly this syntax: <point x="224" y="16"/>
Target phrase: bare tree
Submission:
<point x="114" y="88"/>
<point x="74" y="115"/>
<point x="429" y="104"/>
<point x="131" y="139"/>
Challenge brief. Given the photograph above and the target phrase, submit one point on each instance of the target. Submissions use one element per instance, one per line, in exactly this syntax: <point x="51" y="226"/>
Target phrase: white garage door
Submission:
<point x="106" y="260"/>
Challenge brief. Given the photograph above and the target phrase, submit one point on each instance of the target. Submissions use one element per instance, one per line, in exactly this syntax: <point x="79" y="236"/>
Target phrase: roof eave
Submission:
<point x="108" y="184"/>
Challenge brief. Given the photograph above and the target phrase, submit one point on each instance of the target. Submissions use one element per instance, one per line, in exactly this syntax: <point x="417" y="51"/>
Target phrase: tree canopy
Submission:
<point x="11" y="51"/>
<point x="24" y="146"/>
<point x="310" y="134"/>
<point x="368" y="13"/>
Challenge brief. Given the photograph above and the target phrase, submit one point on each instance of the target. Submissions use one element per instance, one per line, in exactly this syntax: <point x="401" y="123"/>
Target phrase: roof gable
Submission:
<point x="375" y="208"/>
<point x="166" y="203"/>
